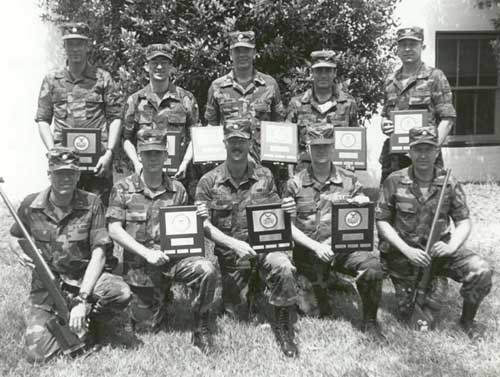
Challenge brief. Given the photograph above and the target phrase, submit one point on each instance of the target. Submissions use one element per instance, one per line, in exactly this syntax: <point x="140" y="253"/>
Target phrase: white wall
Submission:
<point x="27" y="54"/>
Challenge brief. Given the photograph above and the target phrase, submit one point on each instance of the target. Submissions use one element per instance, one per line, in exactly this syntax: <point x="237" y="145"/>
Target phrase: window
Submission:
<point x="468" y="62"/>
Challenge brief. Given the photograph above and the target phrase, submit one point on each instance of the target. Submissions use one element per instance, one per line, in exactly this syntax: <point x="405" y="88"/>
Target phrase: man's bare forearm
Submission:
<point x="46" y="134"/>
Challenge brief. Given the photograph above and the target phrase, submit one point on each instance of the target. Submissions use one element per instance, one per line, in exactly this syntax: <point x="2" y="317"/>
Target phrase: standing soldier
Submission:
<point x="81" y="96"/>
<point x="246" y="92"/>
<point x="69" y="228"/>
<point x="314" y="189"/>
<point x="161" y="105"/>
<point x="415" y="86"/>
<point x="134" y="223"/>
<point x="227" y="190"/>
<point x="404" y="215"/>
<point x="324" y="102"/>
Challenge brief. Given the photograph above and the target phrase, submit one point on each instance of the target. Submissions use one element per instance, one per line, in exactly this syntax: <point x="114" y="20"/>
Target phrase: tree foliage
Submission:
<point x="361" y="31"/>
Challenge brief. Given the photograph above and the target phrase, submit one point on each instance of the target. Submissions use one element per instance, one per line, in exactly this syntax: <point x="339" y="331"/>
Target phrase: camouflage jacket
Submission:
<point x="227" y="201"/>
<point x="176" y="111"/>
<point x="313" y="199"/>
<point x="261" y="100"/>
<point x="66" y="242"/>
<point x="90" y="102"/>
<point x="402" y="204"/>
<point x="305" y="110"/>
<point x="137" y="208"/>
<point x="429" y="90"/>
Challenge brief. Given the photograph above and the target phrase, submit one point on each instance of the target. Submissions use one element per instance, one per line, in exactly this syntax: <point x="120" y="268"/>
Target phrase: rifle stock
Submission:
<point x="420" y="318"/>
<point x="58" y="326"/>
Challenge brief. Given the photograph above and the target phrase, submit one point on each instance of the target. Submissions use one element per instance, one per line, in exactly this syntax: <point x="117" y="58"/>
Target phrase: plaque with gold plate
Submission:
<point x="350" y="147"/>
<point x="279" y="142"/>
<point x="269" y="228"/>
<point x="174" y="158"/>
<point x="403" y="122"/>
<point x="181" y="232"/>
<point x="352" y="226"/>
<point x="86" y="142"/>
<point x="208" y="144"/>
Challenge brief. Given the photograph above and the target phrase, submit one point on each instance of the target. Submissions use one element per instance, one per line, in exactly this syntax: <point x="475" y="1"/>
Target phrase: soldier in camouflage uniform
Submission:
<point x="415" y="86"/>
<point x="246" y="92"/>
<point x="162" y="105"/>
<point x="227" y="190"/>
<point x="324" y="102"/>
<point x="134" y="223"/>
<point x="314" y="189"/>
<point x="81" y="96"/>
<point x="404" y="215"/>
<point x="69" y="228"/>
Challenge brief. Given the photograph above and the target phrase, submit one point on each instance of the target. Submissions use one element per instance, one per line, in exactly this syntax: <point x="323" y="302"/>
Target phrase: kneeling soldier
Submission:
<point x="227" y="190"/>
<point x="133" y="216"/>
<point x="404" y="215"/>
<point x="314" y="189"/>
<point x="69" y="228"/>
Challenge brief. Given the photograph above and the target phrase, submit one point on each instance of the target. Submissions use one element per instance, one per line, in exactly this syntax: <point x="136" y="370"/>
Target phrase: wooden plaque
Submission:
<point x="350" y="147"/>
<point x="174" y="158"/>
<point x="279" y="142"/>
<point x="181" y="232"/>
<point x="86" y="142"/>
<point x="208" y="144"/>
<point x="352" y="226"/>
<point x="269" y="228"/>
<point x="404" y="121"/>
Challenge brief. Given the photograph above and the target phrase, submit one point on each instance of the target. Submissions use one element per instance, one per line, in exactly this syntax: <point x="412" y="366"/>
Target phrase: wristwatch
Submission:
<point x="82" y="298"/>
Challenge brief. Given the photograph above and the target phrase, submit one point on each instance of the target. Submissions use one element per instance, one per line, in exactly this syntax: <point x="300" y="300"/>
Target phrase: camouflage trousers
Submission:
<point x="463" y="266"/>
<point x="392" y="162"/>
<point x="314" y="273"/>
<point x="275" y="270"/>
<point x="101" y="186"/>
<point x="111" y="295"/>
<point x="148" y="307"/>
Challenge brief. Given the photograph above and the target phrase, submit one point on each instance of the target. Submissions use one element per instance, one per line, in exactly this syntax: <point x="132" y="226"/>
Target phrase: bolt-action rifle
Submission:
<point x="421" y="319"/>
<point x="58" y="326"/>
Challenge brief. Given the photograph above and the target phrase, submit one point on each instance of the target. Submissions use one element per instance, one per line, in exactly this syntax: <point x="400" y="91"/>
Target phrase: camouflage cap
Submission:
<point x="323" y="58"/>
<point x="158" y="49"/>
<point x="319" y="133"/>
<point x="75" y="30"/>
<point x="151" y="140"/>
<point x="423" y="135"/>
<point x="416" y="33"/>
<point x="62" y="158"/>
<point x="242" y="38"/>
<point x="238" y="128"/>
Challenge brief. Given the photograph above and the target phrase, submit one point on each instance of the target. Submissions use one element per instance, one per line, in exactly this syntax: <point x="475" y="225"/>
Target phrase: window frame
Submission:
<point x="471" y="139"/>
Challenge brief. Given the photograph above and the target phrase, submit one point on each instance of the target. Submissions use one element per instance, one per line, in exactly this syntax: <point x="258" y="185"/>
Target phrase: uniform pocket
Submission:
<point x="93" y="103"/>
<point x="136" y="225"/>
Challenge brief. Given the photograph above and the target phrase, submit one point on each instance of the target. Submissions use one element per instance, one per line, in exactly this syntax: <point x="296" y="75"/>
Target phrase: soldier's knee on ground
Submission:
<point x="40" y="345"/>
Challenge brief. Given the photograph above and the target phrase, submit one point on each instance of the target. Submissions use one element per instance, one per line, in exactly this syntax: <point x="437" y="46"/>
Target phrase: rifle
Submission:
<point x="58" y="326"/>
<point x="421" y="319"/>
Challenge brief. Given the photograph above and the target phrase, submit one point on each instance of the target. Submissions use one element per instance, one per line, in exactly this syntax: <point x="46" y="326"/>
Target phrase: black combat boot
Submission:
<point x="323" y="300"/>
<point x="473" y="330"/>
<point x="283" y="330"/>
<point x="201" y="332"/>
<point x="370" y="297"/>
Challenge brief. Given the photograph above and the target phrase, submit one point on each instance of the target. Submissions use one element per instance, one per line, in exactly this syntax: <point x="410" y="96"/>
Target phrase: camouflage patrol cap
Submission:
<point x="158" y="49"/>
<point x="242" y="38"/>
<point x="416" y="33"/>
<point x="323" y="58"/>
<point x="151" y="140"/>
<point x="423" y="135"/>
<point x="238" y="128"/>
<point x="319" y="133"/>
<point x="75" y="30"/>
<point x="62" y="158"/>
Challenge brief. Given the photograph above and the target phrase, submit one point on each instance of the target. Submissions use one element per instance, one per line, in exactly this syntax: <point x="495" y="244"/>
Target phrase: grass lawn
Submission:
<point x="329" y="347"/>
